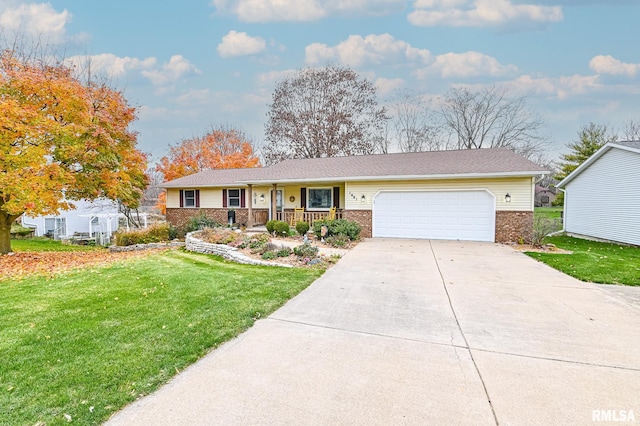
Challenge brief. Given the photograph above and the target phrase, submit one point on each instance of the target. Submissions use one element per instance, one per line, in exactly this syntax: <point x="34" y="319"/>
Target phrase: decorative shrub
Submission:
<point x="201" y="221"/>
<point x="306" y="250"/>
<point x="269" y="247"/>
<point x="284" y="251"/>
<point x="542" y="227"/>
<point x="271" y="226"/>
<point x="338" y="240"/>
<point x="221" y="236"/>
<point x="268" y="255"/>
<point x="20" y="230"/>
<point x="173" y="232"/>
<point x="152" y="234"/>
<point x="338" y="227"/>
<point x="281" y="228"/>
<point x="302" y="227"/>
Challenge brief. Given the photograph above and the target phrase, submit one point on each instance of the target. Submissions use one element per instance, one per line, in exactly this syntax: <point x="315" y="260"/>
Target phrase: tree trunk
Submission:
<point x="5" y="232"/>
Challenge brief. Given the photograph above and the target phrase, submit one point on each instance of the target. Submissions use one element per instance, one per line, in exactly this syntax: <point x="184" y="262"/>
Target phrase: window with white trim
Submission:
<point x="233" y="198"/>
<point x="319" y="198"/>
<point x="189" y="198"/>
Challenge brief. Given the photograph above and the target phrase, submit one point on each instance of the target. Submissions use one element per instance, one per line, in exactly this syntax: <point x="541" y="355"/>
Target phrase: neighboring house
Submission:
<point x="602" y="196"/>
<point x="97" y="218"/>
<point x="544" y="196"/>
<point x="481" y="194"/>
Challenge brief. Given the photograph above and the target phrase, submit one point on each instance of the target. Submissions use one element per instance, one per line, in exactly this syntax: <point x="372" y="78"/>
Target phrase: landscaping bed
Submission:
<point x="284" y="250"/>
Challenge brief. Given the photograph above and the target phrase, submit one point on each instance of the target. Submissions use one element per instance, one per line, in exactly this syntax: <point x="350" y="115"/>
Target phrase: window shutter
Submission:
<point x="224" y="198"/>
<point x="181" y="198"/>
<point x="197" y="191"/>
<point x="336" y="197"/>
<point x="303" y="198"/>
<point x="242" y="201"/>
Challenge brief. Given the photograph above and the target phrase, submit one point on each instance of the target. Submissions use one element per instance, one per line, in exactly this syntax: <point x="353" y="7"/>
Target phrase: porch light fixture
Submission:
<point x="507" y="198"/>
<point x="262" y="198"/>
<point x="363" y="199"/>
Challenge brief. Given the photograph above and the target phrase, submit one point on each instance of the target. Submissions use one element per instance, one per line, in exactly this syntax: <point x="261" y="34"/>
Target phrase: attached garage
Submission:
<point x="439" y="215"/>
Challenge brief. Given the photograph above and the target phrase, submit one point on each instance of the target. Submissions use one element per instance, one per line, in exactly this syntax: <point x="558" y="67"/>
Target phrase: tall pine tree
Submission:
<point x="591" y="138"/>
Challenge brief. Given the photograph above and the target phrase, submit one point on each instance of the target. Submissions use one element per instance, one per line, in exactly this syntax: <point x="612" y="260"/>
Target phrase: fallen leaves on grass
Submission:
<point x="21" y="264"/>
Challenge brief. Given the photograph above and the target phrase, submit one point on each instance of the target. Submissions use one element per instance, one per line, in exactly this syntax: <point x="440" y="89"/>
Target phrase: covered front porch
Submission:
<point x="294" y="203"/>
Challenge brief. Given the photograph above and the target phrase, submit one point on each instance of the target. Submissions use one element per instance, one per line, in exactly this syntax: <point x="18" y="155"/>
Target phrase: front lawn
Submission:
<point x="80" y="346"/>
<point x="548" y="212"/>
<point x="593" y="261"/>
<point x="47" y="244"/>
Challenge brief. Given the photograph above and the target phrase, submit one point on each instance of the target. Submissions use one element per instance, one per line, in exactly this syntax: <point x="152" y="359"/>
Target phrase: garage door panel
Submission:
<point x="456" y="215"/>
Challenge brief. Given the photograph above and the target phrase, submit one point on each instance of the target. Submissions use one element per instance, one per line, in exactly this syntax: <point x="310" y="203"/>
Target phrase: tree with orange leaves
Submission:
<point x="61" y="139"/>
<point x="222" y="148"/>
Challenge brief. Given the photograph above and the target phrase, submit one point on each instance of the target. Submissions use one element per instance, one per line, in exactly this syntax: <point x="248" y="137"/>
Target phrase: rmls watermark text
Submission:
<point x="613" y="416"/>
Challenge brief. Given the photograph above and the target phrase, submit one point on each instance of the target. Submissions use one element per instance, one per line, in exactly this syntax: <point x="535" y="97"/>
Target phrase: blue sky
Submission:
<point x="194" y="64"/>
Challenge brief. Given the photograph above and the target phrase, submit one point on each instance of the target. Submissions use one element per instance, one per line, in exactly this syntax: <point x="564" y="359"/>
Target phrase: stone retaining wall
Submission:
<point x="136" y="247"/>
<point x="230" y="253"/>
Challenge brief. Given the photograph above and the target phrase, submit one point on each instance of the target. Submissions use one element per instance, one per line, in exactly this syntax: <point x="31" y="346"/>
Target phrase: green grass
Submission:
<point x="593" y="261"/>
<point x="47" y="244"/>
<point x="548" y="212"/>
<point x="87" y="343"/>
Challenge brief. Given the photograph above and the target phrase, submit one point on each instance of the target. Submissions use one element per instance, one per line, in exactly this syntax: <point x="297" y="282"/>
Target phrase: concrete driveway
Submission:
<point x="421" y="332"/>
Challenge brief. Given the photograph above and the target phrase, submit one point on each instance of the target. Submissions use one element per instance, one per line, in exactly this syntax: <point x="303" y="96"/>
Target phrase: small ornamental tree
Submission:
<point x="61" y="140"/>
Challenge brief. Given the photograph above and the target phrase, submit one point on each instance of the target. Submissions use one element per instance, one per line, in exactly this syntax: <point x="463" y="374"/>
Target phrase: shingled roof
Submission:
<point x="469" y="163"/>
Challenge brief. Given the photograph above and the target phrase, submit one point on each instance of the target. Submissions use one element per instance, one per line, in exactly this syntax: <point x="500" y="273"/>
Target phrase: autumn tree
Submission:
<point x="220" y="148"/>
<point x="322" y="112"/>
<point x="490" y="118"/>
<point x="61" y="139"/>
<point x="591" y="138"/>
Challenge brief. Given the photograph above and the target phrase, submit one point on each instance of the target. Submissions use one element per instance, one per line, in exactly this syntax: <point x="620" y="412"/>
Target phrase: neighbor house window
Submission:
<point x="544" y="199"/>
<point x="233" y="198"/>
<point x="320" y="198"/>
<point x="55" y="227"/>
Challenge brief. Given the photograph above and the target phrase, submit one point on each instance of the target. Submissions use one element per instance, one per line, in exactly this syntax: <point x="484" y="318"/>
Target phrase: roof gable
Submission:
<point x="630" y="146"/>
<point x="489" y="162"/>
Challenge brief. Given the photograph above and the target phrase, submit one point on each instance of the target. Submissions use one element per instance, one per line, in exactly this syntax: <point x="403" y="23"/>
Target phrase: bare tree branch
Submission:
<point x="490" y="118"/>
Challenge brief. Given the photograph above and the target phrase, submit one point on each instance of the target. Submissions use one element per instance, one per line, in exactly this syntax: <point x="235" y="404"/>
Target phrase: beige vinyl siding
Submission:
<point x="210" y="198"/>
<point x="521" y="190"/>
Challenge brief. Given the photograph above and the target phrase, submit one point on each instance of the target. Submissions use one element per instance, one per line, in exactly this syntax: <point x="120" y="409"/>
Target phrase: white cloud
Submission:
<point x="240" y="44"/>
<point x="609" y="65"/>
<point x="116" y="66"/>
<point x="303" y="10"/>
<point x="176" y="68"/>
<point x="372" y="49"/>
<point x="39" y="20"/>
<point x="480" y="13"/>
<point x="559" y="87"/>
<point x="468" y="64"/>
<point x="386" y="86"/>
<point x="110" y="64"/>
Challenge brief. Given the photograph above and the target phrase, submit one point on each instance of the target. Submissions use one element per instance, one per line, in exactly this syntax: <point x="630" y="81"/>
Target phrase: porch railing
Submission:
<point x="308" y="217"/>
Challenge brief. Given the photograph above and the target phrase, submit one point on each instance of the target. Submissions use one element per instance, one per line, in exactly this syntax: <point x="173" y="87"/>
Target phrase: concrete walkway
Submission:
<point x="416" y="332"/>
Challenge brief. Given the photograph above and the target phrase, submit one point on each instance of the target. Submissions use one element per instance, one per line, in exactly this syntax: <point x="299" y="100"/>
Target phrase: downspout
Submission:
<point x="30" y="225"/>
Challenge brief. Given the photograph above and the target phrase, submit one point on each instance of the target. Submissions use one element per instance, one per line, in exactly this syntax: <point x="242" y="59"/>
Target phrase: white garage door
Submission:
<point x="450" y="215"/>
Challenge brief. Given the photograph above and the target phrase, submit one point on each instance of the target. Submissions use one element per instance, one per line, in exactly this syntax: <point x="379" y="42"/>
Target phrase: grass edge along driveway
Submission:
<point x="593" y="261"/>
<point x="82" y="345"/>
